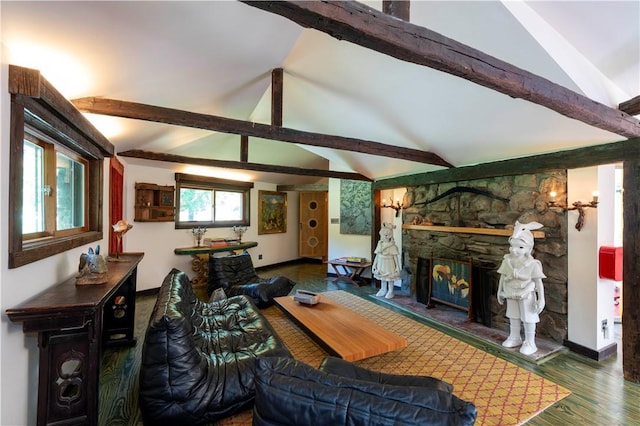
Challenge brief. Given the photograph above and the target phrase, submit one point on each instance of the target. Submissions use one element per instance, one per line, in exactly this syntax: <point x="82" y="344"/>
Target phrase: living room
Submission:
<point x="158" y="240"/>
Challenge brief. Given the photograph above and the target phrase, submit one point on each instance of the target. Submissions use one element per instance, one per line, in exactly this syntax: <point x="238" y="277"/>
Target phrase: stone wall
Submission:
<point x="526" y="201"/>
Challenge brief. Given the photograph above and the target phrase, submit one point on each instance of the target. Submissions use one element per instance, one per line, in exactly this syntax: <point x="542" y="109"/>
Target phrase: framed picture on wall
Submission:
<point x="272" y="212"/>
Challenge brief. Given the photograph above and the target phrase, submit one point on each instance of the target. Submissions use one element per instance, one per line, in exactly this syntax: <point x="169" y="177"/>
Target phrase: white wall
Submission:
<point x="590" y="299"/>
<point x="343" y="244"/>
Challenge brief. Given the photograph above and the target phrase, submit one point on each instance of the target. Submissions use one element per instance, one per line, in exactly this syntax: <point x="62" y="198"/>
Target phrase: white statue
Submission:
<point x="386" y="265"/>
<point x="521" y="285"/>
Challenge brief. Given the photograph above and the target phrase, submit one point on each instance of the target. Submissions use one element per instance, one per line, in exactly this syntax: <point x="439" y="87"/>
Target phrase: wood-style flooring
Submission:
<point x="600" y="395"/>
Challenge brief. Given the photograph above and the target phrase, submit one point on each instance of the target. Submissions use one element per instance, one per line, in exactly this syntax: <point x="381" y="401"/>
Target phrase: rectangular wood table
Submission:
<point x="339" y="330"/>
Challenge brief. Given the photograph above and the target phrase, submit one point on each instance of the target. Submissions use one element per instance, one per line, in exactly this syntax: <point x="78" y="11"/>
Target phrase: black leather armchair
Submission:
<point x="236" y="275"/>
<point x="199" y="358"/>
<point x="289" y="392"/>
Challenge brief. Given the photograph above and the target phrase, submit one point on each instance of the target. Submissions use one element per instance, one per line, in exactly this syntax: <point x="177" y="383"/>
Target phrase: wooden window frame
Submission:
<point x="210" y="183"/>
<point x="38" y="109"/>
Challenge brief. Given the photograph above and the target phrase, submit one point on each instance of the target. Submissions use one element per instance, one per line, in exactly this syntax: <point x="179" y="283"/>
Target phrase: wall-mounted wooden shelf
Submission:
<point x="154" y="203"/>
<point x="468" y="230"/>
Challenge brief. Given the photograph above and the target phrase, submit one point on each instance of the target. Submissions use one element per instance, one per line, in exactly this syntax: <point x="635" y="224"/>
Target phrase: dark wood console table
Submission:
<point x="73" y="324"/>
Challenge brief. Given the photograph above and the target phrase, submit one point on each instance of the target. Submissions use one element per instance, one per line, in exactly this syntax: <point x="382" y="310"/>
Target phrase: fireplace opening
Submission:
<point x="484" y="283"/>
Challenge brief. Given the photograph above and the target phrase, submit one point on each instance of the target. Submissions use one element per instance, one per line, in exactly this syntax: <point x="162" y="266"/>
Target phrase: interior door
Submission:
<point x="313" y="224"/>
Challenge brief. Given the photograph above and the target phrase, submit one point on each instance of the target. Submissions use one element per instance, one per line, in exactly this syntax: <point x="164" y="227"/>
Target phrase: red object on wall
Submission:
<point x="610" y="262"/>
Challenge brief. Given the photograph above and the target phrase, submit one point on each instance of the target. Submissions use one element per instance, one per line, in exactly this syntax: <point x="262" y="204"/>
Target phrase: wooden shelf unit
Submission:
<point x="154" y="203"/>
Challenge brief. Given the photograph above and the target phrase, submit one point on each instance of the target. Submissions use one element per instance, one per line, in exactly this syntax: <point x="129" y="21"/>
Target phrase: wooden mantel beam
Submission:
<point x="362" y="25"/>
<point x="269" y="168"/>
<point x="177" y="117"/>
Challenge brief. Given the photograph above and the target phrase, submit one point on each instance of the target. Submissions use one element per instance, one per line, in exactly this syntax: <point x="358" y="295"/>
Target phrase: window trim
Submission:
<point x="37" y="107"/>
<point x="206" y="182"/>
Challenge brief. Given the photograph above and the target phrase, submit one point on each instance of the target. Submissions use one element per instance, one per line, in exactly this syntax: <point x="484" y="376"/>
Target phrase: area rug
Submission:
<point x="503" y="393"/>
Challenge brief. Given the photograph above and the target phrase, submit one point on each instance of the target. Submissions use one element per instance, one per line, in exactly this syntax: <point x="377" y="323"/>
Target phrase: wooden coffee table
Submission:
<point x="339" y="330"/>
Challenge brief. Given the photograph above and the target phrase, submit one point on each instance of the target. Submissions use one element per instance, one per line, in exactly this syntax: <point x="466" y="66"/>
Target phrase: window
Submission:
<point x="55" y="172"/>
<point x="53" y="190"/>
<point x="211" y="202"/>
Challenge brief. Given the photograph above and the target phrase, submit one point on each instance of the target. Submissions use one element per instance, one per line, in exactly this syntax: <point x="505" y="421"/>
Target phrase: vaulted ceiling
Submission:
<point x="217" y="58"/>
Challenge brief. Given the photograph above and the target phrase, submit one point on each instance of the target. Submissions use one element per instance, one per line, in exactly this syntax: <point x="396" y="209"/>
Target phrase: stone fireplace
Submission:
<point x="473" y="223"/>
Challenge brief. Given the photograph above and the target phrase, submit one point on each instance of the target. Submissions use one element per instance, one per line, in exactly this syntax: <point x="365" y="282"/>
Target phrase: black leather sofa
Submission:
<point x="289" y="392"/>
<point x="199" y="358"/>
<point x="236" y="275"/>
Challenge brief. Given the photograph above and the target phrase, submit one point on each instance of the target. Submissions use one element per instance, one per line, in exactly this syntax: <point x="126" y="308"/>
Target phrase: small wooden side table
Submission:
<point x="348" y="271"/>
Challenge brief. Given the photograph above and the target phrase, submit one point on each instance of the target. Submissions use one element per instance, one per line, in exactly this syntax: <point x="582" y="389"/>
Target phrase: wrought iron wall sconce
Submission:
<point x="578" y="205"/>
<point x="397" y="206"/>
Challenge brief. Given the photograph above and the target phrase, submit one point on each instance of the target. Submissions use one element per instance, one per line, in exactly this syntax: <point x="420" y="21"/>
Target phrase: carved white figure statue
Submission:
<point x="386" y="266"/>
<point x="521" y="286"/>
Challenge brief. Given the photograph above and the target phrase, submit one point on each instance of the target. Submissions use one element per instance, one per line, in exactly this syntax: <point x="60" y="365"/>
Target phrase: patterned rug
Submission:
<point x="503" y="393"/>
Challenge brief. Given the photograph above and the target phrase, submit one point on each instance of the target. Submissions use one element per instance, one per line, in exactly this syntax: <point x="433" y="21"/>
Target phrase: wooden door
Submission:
<point x="313" y="224"/>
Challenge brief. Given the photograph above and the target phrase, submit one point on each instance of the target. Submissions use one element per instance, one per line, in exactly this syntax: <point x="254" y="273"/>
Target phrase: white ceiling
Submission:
<point x="216" y="57"/>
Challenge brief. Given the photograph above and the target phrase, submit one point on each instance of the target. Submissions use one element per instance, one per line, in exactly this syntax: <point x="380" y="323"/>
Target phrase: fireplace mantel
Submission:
<point x="468" y="230"/>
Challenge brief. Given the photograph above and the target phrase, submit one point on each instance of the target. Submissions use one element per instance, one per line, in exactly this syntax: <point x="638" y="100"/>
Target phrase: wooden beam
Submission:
<point x="277" y="91"/>
<point x="631" y="107"/>
<point x="631" y="271"/>
<point x="569" y="159"/>
<point x="367" y="27"/>
<point x="398" y="8"/>
<point x="300" y="188"/>
<point x="228" y="125"/>
<point x="269" y="168"/>
<point x="244" y="148"/>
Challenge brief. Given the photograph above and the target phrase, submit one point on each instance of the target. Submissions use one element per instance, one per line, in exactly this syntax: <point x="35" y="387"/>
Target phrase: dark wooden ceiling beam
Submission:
<point x="589" y="156"/>
<point x="631" y="107"/>
<point x="398" y="8"/>
<point x="368" y="27"/>
<point x="177" y="117"/>
<point x="269" y="168"/>
<point x="277" y="93"/>
<point x="244" y="148"/>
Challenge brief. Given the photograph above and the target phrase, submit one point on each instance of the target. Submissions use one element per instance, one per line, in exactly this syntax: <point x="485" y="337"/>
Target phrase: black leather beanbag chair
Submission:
<point x="199" y="358"/>
<point x="291" y="393"/>
<point x="236" y="275"/>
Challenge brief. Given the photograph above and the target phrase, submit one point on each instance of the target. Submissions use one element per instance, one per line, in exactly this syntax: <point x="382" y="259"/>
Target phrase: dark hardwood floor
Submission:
<point x="600" y="395"/>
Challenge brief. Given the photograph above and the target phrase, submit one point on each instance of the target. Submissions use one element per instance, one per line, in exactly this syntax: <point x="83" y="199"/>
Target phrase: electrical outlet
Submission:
<point x="259" y="257"/>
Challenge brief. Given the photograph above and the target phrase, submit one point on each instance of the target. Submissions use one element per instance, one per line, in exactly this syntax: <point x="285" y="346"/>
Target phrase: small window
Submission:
<point x="211" y="202"/>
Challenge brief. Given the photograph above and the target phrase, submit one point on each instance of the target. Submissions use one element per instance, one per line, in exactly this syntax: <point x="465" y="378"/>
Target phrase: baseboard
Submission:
<point x="297" y="261"/>
<point x="600" y="355"/>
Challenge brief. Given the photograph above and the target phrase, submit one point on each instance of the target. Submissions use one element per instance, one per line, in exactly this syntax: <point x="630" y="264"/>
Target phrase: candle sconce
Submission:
<point x="397" y="206"/>
<point x="578" y="205"/>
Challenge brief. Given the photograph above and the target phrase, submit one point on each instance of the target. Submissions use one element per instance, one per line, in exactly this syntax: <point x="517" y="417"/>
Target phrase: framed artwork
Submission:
<point x="272" y="212"/>
<point x="355" y="207"/>
<point x="450" y="283"/>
